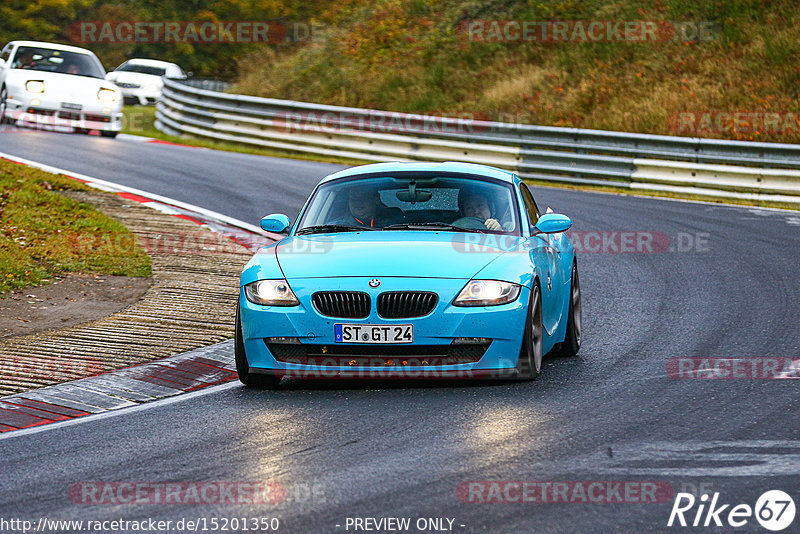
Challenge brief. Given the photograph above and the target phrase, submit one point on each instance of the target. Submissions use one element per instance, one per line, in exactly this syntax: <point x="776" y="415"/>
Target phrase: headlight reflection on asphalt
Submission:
<point x="501" y="425"/>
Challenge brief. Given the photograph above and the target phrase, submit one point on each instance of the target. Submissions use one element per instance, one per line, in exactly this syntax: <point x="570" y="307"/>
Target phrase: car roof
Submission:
<point x="53" y="46"/>
<point x="150" y="62"/>
<point x="443" y="167"/>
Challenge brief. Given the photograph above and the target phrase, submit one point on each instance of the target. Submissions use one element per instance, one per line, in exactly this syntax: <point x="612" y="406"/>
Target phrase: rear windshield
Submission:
<point x="61" y="61"/>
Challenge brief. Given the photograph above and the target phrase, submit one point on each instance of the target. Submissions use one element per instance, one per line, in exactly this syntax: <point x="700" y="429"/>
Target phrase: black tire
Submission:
<point x="3" y="106"/>
<point x="110" y="135"/>
<point x="243" y="368"/>
<point x="529" y="364"/>
<point x="572" y="339"/>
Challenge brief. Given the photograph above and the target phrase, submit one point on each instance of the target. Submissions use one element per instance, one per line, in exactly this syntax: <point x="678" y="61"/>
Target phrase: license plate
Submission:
<point x="373" y="333"/>
<point x="68" y="105"/>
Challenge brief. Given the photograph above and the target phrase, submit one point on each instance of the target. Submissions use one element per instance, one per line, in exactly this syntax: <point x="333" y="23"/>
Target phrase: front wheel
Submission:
<point x="3" y="106"/>
<point x="243" y="368"/>
<point x="529" y="364"/>
<point x="572" y="339"/>
<point x="105" y="133"/>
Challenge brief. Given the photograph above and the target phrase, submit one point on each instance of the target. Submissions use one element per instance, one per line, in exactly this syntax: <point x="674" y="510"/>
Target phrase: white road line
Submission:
<point x="120" y="411"/>
<point x="134" y="138"/>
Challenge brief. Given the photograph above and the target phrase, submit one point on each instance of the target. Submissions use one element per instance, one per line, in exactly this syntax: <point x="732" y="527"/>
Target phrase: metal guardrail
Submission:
<point x="208" y="84"/>
<point x="707" y="167"/>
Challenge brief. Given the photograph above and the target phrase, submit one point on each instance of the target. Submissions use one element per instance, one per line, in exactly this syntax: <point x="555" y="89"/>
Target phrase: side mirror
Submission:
<point x="553" y="223"/>
<point x="277" y="223"/>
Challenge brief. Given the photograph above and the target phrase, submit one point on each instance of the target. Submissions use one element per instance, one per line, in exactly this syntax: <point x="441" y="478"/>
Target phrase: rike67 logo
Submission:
<point x="774" y="510"/>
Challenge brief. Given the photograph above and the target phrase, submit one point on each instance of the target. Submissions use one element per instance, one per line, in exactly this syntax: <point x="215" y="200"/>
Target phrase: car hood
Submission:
<point x="424" y="254"/>
<point x="136" y="77"/>
<point x="68" y="87"/>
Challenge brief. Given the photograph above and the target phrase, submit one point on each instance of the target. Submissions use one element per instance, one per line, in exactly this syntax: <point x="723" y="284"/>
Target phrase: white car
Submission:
<point x="140" y="79"/>
<point x="57" y="87"/>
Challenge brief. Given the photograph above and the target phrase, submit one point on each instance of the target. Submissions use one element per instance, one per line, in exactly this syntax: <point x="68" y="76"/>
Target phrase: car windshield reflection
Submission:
<point x="424" y="202"/>
<point x="58" y="61"/>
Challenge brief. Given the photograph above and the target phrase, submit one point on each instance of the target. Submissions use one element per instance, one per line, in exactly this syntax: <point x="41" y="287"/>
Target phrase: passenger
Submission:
<point x="362" y="207"/>
<point x="366" y="209"/>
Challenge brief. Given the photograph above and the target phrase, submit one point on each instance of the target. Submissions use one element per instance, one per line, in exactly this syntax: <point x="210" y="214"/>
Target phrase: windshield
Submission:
<point x="422" y="202"/>
<point x="143" y="69"/>
<point x="61" y="61"/>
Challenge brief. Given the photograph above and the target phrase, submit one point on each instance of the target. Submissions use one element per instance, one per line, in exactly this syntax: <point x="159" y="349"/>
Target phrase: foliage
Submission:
<point x="414" y="55"/>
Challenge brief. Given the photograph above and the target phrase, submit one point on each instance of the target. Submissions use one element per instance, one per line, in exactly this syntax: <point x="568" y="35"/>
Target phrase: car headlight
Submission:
<point x="106" y="95"/>
<point x="270" y="293"/>
<point x="487" y="293"/>
<point x="34" y="86"/>
<point x="152" y="88"/>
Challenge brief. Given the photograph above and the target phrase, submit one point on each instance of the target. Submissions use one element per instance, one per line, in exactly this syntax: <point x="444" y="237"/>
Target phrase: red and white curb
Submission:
<point x="144" y="383"/>
<point x="122" y="388"/>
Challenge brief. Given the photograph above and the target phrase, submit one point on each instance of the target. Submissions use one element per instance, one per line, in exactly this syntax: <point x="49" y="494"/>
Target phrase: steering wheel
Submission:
<point x="470" y="223"/>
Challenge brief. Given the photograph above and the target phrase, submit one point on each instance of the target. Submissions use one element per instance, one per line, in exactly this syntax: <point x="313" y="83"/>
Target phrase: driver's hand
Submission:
<point x="492" y="224"/>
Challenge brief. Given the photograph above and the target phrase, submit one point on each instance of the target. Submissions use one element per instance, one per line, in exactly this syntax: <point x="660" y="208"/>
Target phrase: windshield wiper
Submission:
<point x="432" y="226"/>
<point x="322" y="228"/>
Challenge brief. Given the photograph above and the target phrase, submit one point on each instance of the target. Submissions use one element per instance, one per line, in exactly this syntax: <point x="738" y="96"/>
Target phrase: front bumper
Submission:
<point x="431" y="355"/>
<point x="140" y="96"/>
<point x="47" y="112"/>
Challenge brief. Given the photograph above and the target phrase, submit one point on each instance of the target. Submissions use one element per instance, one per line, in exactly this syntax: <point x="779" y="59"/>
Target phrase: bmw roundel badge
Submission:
<point x="374" y="282"/>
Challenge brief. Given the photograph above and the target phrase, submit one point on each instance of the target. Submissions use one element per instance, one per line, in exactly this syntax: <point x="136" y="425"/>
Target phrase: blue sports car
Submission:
<point x="410" y="270"/>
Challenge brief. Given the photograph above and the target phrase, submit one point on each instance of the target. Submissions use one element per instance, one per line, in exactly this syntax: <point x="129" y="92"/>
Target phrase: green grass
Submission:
<point x="44" y="233"/>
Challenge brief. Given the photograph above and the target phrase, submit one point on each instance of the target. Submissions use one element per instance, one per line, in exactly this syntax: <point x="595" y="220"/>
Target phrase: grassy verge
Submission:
<point x="44" y="233"/>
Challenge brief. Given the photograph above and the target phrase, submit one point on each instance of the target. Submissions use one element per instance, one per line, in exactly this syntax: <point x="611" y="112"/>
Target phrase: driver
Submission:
<point x="24" y="60"/>
<point x="473" y="204"/>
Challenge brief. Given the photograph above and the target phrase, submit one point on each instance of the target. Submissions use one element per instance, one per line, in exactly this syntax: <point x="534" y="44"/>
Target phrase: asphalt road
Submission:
<point x="366" y="449"/>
